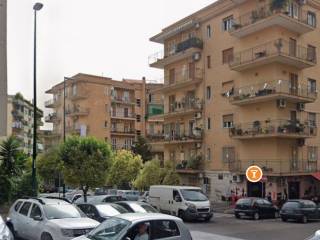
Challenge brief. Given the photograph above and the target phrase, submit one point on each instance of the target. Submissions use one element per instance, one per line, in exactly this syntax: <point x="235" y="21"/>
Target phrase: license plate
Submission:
<point x="203" y="215"/>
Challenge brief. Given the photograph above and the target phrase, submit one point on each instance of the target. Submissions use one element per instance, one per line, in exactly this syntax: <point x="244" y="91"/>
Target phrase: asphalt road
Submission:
<point x="227" y="227"/>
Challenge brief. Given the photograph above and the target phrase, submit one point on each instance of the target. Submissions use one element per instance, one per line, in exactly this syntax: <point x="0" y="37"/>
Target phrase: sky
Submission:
<point x="102" y="37"/>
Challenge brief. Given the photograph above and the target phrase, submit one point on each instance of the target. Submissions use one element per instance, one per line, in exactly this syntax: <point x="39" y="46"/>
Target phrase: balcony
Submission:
<point x="264" y="17"/>
<point x="268" y="91"/>
<point x="123" y="132"/>
<point x="184" y="107"/>
<point x="123" y="115"/>
<point x="181" y="138"/>
<point x="276" y="51"/>
<point x="277" y="167"/>
<point x="190" y="166"/>
<point x="183" y="50"/>
<point x="80" y="130"/>
<point x="274" y="129"/>
<point x="181" y="79"/>
<point x="18" y="125"/>
<point x="155" y="137"/>
<point x="52" y="103"/>
<point x="79" y="95"/>
<point x="77" y="111"/>
<point x="123" y="100"/>
<point x="52" y="117"/>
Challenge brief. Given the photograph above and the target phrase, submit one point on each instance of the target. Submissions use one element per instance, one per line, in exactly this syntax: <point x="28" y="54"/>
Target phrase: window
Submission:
<point x="311" y="53"/>
<point x="106" y="107"/>
<point x="227" y="121"/>
<point x="312" y="153"/>
<point x="126" y="112"/>
<point x="209" y="123"/>
<point x="35" y="211"/>
<point x="172" y="76"/>
<point x="138" y="118"/>
<point x="227" y="56"/>
<point x="208" y="154"/>
<point x="138" y="132"/>
<point x="220" y="176"/>
<point x="114" y="143"/>
<point x="311" y="19"/>
<point x="105" y="124"/>
<point x="312" y="117"/>
<point x="138" y="102"/>
<point x="106" y="139"/>
<point x="209" y="33"/>
<point x="164" y="229"/>
<point x="208" y="92"/>
<point x="126" y="96"/>
<point x="208" y="62"/>
<point x="227" y="23"/>
<point x="312" y="86"/>
<point x="228" y="154"/>
<point x="17" y="206"/>
<point x="25" y="208"/>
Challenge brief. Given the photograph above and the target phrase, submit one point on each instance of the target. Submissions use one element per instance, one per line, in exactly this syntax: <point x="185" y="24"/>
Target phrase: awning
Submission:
<point x="316" y="175"/>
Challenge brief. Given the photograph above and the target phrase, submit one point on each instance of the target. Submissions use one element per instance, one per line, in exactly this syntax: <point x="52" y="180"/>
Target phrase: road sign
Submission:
<point x="254" y="174"/>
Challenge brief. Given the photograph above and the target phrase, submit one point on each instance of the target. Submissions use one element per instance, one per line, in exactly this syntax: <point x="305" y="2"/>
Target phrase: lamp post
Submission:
<point x="36" y="7"/>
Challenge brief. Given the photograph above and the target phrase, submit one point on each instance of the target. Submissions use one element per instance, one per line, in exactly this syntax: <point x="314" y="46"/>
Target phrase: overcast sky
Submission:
<point x="101" y="37"/>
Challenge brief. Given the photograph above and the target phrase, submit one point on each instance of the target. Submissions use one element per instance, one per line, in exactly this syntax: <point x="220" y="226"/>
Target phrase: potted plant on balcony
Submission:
<point x="278" y="5"/>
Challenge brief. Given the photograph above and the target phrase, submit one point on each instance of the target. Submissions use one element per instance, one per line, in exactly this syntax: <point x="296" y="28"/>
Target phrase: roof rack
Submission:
<point x="39" y="200"/>
<point x="58" y="198"/>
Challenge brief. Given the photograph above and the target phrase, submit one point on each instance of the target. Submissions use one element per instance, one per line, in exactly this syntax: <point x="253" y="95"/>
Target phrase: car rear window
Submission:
<point x="291" y="205"/>
<point x="244" y="201"/>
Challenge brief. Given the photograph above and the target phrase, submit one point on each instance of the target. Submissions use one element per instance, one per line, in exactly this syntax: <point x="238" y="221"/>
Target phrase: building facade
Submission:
<point x="20" y="122"/>
<point x="110" y="110"/>
<point x="240" y="89"/>
<point x="3" y="68"/>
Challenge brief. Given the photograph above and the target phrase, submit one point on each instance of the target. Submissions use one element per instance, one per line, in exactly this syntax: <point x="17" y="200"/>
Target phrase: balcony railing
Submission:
<point x="77" y="111"/>
<point x="278" y="50"/>
<point x="192" y="163"/>
<point x="174" y="136"/>
<point x="181" y="47"/>
<point x="122" y="131"/>
<point x="51" y="117"/>
<point x="79" y="95"/>
<point x="283" y="88"/>
<point x="155" y="137"/>
<point x="185" y="105"/>
<point x="122" y="99"/>
<point x="17" y="125"/>
<point x="300" y="22"/>
<point x="274" y="128"/>
<point x="276" y="167"/>
<point x="121" y="114"/>
<point x="77" y="129"/>
<point x="52" y="103"/>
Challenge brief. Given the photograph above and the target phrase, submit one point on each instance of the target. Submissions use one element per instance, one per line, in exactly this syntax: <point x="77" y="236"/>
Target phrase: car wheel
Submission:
<point x="256" y="216"/>
<point x="304" y="219"/>
<point x="14" y="233"/>
<point x="237" y="216"/>
<point x="284" y="219"/>
<point x="181" y="215"/>
<point x="46" y="236"/>
<point x="276" y="214"/>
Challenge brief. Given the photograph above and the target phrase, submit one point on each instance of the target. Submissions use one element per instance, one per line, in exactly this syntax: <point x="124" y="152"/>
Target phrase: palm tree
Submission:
<point x="10" y="157"/>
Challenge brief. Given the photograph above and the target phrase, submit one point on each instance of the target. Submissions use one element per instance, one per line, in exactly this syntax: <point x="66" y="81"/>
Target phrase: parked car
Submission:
<point x="129" y="195"/>
<point x="316" y="236"/>
<point x="5" y="232"/>
<point x="144" y="197"/>
<point x="188" y="203"/>
<point x="300" y="210"/>
<point x="100" y="199"/>
<point x="48" y="219"/>
<point x="101" y="212"/>
<point x="255" y="208"/>
<point x="126" y="226"/>
<point x="138" y="207"/>
<point x="76" y="196"/>
<point x="105" y="191"/>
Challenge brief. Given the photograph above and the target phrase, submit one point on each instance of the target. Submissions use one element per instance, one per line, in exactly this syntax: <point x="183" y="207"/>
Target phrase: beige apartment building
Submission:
<point x="110" y="110"/>
<point x="240" y="89"/>
<point x="3" y="68"/>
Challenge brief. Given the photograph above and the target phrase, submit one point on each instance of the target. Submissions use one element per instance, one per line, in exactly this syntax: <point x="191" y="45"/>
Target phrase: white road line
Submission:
<point x="196" y="235"/>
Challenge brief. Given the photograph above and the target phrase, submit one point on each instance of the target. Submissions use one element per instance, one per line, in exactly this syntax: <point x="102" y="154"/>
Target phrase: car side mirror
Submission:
<point x="127" y="238"/>
<point x="178" y="199"/>
<point x="37" y="218"/>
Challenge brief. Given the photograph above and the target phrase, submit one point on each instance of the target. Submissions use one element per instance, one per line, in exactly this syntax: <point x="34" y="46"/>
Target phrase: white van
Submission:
<point x="188" y="203"/>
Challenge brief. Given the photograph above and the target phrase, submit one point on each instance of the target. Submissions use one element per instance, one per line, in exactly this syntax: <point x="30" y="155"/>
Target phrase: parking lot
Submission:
<point x="227" y="227"/>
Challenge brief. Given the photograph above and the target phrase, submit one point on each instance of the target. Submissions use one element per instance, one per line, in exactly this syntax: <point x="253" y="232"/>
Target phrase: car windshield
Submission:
<point x="244" y="201"/>
<point x="110" y="210"/>
<point x="194" y="195"/>
<point x="292" y="205"/>
<point x="111" y="229"/>
<point x="143" y="208"/>
<point x="60" y="211"/>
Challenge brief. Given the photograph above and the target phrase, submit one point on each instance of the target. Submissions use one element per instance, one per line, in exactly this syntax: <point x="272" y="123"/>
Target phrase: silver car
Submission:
<point x="5" y="233"/>
<point x="150" y="225"/>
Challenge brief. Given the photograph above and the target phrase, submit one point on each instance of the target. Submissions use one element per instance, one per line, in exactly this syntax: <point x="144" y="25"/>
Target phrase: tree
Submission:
<point x="124" y="169"/>
<point x="170" y="176"/>
<point x="142" y="148"/>
<point x="149" y="175"/>
<point x="85" y="162"/>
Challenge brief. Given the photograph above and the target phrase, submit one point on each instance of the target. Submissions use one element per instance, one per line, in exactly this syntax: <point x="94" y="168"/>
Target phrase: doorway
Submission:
<point x="293" y="85"/>
<point x="294" y="190"/>
<point x="256" y="189"/>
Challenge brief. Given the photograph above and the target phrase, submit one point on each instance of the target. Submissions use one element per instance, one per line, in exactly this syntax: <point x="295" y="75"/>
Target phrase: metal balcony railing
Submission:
<point x="266" y="11"/>
<point x="182" y="76"/>
<point x="278" y="47"/>
<point x="77" y="111"/>
<point x="52" y="103"/>
<point x="122" y="131"/>
<point x="193" y="42"/>
<point x="274" y="127"/>
<point x="273" y="87"/>
<point x="277" y="166"/>
<point x="186" y="104"/>
<point x="174" y="135"/>
<point x="155" y="137"/>
<point x="121" y="114"/>
<point x="123" y="99"/>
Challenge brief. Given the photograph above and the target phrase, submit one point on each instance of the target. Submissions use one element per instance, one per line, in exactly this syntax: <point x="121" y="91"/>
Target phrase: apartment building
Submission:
<point x="110" y="110"/>
<point x="240" y="89"/>
<point x="3" y="67"/>
<point x="20" y="122"/>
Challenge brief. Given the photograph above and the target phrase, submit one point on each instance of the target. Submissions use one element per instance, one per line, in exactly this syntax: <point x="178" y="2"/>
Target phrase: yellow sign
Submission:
<point x="254" y="174"/>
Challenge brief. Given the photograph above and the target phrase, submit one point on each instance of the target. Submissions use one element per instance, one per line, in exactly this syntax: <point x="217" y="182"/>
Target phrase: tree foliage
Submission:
<point x="85" y="162"/>
<point x="49" y="164"/>
<point x="142" y="148"/>
<point x="124" y="169"/>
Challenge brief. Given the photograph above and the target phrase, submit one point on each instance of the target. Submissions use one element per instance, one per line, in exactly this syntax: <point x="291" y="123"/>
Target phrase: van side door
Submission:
<point x="176" y="202"/>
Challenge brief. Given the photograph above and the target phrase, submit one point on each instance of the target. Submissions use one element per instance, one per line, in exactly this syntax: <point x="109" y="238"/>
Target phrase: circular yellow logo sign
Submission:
<point x="254" y="174"/>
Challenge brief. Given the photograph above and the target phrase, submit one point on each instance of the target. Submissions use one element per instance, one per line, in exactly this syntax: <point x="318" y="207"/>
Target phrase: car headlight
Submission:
<point x="191" y="206"/>
<point x="67" y="232"/>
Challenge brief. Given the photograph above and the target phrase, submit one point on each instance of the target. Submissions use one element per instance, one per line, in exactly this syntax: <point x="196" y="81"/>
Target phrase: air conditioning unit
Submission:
<point x="281" y="103"/>
<point x="198" y="145"/>
<point x="301" y="107"/>
<point x="237" y="179"/>
<point x="198" y="115"/>
<point x="196" y="56"/>
<point x="301" y="142"/>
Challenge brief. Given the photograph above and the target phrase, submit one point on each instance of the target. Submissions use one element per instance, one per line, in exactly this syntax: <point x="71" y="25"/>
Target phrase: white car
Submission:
<point x="48" y="219"/>
<point x="5" y="233"/>
<point x="316" y="236"/>
<point x="126" y="227"/>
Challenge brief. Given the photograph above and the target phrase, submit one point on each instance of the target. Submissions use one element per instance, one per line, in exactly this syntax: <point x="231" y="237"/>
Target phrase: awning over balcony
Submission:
<point x="316" y="175"/>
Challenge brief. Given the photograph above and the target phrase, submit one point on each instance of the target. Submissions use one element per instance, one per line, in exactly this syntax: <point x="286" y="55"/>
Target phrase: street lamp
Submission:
<point x="36" y="7"/>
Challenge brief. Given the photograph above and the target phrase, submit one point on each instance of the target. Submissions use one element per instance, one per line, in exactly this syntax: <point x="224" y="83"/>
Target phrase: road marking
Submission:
<point x="205" y="236"/>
